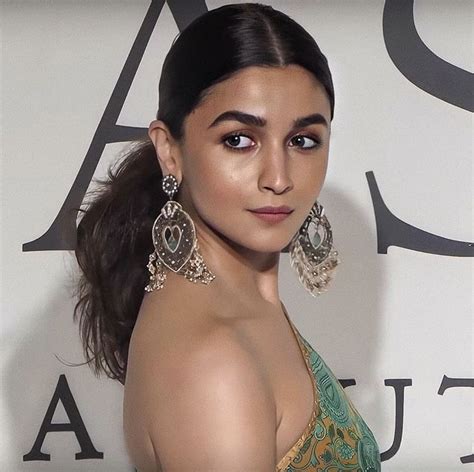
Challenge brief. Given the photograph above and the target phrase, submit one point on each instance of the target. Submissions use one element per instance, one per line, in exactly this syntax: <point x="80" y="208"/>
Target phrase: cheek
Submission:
<point x="308" y="181"/>
<point x="321" y="168"/>
<point x="310" y="176"/>
<point x="321" y="176"/>
<point x="216" y="186"/>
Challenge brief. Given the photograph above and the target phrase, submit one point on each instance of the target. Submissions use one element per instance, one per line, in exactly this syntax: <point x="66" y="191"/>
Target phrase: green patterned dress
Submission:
<point x="336" y="438"/>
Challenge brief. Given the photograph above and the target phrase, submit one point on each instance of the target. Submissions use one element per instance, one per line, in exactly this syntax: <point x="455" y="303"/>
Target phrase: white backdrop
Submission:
<point x="395" y="322"/>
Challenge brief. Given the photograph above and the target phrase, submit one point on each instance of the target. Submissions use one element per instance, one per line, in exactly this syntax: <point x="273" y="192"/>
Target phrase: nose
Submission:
<point x="274" y="170"/>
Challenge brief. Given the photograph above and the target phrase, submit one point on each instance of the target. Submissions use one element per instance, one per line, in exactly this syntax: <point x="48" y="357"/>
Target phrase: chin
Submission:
<point x="270" y="246"/>
<point x="254" y="239"/>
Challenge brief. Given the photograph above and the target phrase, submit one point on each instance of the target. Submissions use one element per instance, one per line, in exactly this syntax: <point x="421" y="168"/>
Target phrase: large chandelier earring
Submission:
<point x="175" y="242"/>
<point x="312" y="255"/>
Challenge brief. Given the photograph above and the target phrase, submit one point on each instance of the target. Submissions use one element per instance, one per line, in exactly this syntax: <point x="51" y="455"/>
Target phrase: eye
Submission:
<point x="234" y="139"/>
<point x="299" y="139"/>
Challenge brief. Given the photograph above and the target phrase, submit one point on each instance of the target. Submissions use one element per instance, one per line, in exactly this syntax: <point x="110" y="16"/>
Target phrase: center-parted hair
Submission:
<point x="114" y="232"/>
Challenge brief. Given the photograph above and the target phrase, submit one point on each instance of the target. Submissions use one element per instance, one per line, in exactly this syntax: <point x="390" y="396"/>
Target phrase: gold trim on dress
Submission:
<point x="293" y="451"/>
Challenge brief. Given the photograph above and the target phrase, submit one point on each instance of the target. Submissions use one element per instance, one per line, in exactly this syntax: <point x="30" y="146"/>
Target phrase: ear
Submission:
<point x="167" y="149"/>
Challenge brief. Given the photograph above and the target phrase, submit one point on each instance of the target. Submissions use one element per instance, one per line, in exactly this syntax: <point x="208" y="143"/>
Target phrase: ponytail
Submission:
<point x="113" y="244"/>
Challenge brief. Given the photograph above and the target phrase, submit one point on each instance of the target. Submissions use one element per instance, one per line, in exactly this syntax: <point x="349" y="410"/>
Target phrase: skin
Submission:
<point x="229" y="342"/>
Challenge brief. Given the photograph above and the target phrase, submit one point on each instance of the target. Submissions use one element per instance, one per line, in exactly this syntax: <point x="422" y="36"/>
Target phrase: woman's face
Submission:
<point x="260" y="138"/>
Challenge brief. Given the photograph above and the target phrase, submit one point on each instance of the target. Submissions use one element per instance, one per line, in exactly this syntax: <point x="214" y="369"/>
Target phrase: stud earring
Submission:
<point x="175" y="242"/>
<point x="311" y="250"/>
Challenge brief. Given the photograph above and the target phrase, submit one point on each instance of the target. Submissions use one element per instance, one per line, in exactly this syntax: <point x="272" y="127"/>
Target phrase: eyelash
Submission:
<point x="313" y="138"/>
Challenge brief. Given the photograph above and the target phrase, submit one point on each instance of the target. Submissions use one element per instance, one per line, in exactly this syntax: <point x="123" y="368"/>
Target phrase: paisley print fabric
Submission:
<point x="336" y="438"/>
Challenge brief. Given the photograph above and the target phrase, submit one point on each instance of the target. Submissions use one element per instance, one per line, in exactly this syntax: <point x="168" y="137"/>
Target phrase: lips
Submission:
<point x="272" y="214"/>
<point x="272" y="210"/>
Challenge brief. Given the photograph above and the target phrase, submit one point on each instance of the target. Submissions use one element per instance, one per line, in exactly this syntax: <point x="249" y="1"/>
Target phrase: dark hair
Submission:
<point x="114" y="234"/>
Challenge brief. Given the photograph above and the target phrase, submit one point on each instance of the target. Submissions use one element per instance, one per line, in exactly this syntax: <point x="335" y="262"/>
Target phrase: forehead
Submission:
<point x="266" y="91"/>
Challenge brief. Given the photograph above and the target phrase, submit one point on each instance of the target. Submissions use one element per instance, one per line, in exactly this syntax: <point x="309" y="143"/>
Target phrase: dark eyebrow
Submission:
<point x="252" y="120"/>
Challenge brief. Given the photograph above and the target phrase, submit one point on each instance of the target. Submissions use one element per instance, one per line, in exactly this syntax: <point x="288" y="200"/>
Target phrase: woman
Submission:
<point x="216" y="376"/>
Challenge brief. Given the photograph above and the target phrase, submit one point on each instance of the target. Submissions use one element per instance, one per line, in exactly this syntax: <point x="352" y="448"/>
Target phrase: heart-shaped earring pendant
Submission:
<point x="174" y="236"/>
<point x="175" y="242"/>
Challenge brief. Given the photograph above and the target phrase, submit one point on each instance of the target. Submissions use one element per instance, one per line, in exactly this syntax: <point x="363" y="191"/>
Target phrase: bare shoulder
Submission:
<point x="201" y="398"/>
